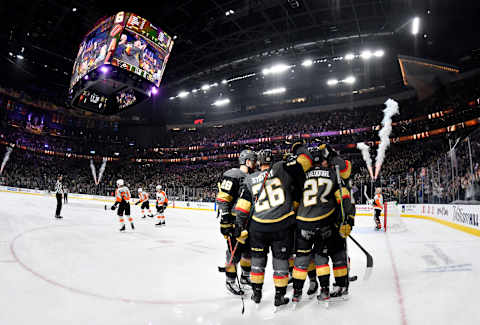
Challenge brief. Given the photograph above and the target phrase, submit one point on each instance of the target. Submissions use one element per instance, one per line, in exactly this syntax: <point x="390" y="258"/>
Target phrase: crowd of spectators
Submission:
<point x="415" y="171"/>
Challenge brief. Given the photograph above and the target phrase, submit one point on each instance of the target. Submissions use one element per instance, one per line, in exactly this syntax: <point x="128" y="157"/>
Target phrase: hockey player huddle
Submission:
<point x="122" y="202"/>
<point x="298" y="208"/>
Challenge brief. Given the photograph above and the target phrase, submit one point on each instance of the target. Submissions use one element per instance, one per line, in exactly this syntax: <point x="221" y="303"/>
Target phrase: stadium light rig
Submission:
<point x="275" y="91"/>
<point x="307" y="63"/>
<point x="379" y="53"/>
<point x="221" y="102"/>
<point x="415" y="25"/>
<point x="349" y="56"/>
<point x="276" y="69"/>
<point x="332" y="82"/>
<point x="183" y="94"/>
<point x="366" y="55"/>
<point x="349" y="80"/>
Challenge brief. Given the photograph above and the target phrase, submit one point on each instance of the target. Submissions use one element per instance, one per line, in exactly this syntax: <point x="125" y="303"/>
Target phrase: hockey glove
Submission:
<point x="138" y="202"/>
<point x="226" y="229"/>
<point x="346" y="228"/>
<point x="113" y="207"/>
<point x="240" y="233"/>
<point x="243" y="237"/>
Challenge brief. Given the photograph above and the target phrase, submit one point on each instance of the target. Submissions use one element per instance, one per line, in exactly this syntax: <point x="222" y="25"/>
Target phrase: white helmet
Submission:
<point x="119" y="182"/>
<point x="140" y="190"/>
<point x="159" y="187"/>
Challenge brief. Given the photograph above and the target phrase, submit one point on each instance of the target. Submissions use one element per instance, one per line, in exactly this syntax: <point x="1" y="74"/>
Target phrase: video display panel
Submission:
<point x="126" y="98"/>
<point x="141" y="48"/>
<point x="92" y="50"/>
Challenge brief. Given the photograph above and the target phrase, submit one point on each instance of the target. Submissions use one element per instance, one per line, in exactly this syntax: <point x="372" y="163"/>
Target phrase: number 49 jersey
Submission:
<point x="319" y="203"/>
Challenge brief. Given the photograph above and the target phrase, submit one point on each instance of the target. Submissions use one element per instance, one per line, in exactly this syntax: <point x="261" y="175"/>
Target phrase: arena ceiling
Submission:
<point x="223" y="35"/>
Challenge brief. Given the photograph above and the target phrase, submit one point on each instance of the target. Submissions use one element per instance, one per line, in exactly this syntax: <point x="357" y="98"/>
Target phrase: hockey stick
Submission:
<point x="344" y="222"/>
<point x="368" y="271"/>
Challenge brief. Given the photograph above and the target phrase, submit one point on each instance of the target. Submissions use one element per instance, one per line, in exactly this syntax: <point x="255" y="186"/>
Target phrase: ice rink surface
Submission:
<point x="81" y="270"/>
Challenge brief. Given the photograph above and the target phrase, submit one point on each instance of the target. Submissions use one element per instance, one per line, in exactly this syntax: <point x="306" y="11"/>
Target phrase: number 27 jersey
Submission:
<point x="318" y="204"/>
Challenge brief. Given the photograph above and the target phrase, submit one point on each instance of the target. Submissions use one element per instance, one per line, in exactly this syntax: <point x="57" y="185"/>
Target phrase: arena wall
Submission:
<point x="461" y="217"/>
<point x="201" y="206"/>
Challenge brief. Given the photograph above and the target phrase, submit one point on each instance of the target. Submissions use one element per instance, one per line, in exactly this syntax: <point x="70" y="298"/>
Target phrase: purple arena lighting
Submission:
<point x="154" y="90"/>
<point x="104" y="69"/>
<point x="86" y="77"/>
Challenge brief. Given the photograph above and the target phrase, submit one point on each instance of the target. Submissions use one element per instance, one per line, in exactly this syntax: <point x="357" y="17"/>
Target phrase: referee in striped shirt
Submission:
<point x="59" y="194"/>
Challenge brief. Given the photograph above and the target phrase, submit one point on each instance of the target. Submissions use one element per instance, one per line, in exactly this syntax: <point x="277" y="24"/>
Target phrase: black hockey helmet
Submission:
<point x="317" y="154"/>
<point x="265" y="157"/>
<point x="245" y="155"/>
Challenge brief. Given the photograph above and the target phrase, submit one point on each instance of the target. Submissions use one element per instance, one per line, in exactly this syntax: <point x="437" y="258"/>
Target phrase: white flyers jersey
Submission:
<point x="161" y="197"/>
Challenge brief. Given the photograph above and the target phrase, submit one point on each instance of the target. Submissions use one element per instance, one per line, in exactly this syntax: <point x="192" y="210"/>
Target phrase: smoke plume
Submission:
<point x="366" y="156"/>
<point x="94" y="172"/>
<point x="5" y="158"/>
<point x="384" y="133"/>
<point x="102" y="169"/>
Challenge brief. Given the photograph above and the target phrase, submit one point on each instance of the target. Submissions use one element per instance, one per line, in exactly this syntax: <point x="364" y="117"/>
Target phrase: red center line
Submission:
<point x="397" y="284"/>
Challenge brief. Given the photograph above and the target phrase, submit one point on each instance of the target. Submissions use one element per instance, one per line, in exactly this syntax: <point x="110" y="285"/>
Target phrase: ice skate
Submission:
<point x="256" y="296"/>
<point x="324" y="296"/>
<point x="338" y="294"/>
<point x="296" y="298"/>
<point x="245" y="281"/>
<point x="280" y="301"/>
<point x="233" y="288"/>
<point x="123" y="228"/>
<point x="313" y="288"/>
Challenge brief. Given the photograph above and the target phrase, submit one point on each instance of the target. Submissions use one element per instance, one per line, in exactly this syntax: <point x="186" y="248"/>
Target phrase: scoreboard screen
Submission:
<point x="92" y="50"/>
<point x="141" y="47"/>
<point x="120" y="63"/>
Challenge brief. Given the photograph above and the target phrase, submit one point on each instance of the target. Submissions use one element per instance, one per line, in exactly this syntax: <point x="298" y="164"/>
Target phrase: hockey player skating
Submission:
<point x="378" y="207"/>
<point x="272" y="222"/>
<point x="143" y="199"/>
<point x="229" y="191"/>
<point x="162" y="203"/>
<point x="122" y="201"/>
<point x="319" y="232"/>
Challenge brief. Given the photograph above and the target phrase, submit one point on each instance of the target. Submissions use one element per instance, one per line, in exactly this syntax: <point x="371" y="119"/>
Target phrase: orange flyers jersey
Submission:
<point x="378" y="202"/>
<point x="122" y="194"/>
<point x="162" y="197"/>
<point x="143" y="196"/>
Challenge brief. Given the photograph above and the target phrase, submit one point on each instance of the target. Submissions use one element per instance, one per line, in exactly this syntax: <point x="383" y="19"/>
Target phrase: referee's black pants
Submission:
<point x="59" y="204"/>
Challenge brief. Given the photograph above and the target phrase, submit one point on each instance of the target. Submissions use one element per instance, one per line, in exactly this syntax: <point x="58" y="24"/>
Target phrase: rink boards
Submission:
<point x="461" y="217"/>
<point x="200" y="206"/>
